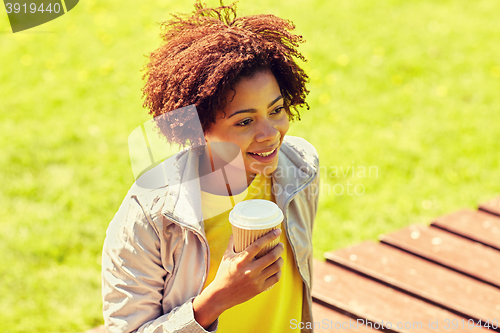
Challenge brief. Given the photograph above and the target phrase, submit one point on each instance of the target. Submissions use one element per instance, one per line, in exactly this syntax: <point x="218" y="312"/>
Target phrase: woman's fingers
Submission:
<point x="273" y="268"/>
<point x="251" y="251"/>
<point x="272" y="280"/>
<point x="270" y="257"/>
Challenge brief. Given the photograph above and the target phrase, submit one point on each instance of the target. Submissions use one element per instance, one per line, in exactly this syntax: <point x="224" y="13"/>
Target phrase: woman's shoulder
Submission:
<point x="154" y="191"/>
<point x="160" y="174"/>
<point x="143" y="203"/>
<point x="137" y="211"/>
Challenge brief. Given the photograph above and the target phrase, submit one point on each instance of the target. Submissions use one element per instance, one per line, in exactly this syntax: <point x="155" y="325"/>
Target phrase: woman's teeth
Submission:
<point x="265" y="154"/>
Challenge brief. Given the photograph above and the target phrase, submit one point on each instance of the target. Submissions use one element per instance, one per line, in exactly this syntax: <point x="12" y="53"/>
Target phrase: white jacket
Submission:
<point x="156" y="256"/>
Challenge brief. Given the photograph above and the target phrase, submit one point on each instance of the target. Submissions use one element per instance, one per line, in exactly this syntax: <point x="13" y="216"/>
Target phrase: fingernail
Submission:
<point x="277" y="232"/>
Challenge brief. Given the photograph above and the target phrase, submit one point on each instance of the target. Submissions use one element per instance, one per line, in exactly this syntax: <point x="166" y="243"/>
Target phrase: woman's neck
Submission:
<point x="226" y="180"/>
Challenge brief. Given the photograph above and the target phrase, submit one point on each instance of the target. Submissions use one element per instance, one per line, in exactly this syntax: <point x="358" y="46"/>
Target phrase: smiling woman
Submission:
<point x="168" y="260"/>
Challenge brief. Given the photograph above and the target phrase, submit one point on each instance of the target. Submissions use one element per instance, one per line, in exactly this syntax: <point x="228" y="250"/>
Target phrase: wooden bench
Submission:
<point x="439" y="278"/>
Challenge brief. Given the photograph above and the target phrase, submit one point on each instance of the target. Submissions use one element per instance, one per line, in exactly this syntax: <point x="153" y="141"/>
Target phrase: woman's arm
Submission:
<point x="133" y="278"/>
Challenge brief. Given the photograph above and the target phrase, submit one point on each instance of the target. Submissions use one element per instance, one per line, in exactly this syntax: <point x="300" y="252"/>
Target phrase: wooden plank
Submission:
<point x="366" y="299"/>
<point x="474" y="225"/>
<point x="422" y="279"/>
<point x="329" y="321"/>
<point x="492" y="206"/>
<point x="457" y="253"/>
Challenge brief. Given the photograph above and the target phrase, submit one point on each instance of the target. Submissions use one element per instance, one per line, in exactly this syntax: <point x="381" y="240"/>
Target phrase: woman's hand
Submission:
<point x="239" y="278"/>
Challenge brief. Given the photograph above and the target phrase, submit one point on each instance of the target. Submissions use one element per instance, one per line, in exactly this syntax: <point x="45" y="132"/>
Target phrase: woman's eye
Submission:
<point x="278" y="110"/>
<point x="247" y="121"/>
<point x="244" y="122"/>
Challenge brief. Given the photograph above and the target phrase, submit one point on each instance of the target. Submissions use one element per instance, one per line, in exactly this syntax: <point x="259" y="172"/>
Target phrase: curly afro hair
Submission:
<point x="205" y="53"/>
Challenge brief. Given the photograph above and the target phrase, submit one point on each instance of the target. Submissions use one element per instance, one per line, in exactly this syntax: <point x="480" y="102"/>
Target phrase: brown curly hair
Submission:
<point x="206" y="53"/>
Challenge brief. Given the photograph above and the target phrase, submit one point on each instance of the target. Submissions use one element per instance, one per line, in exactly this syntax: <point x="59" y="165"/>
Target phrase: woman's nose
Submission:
<point x="267" y="132"/>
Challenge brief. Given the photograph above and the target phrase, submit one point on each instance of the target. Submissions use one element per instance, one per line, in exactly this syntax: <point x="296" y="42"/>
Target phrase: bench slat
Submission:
<point x="492" y="206"/>
<point x="446" y="249"/>
<point x="475" y="225"/>
<point x="367" y="299"/>
<point x="420" y="278"/>
<point x="330" y="321"/>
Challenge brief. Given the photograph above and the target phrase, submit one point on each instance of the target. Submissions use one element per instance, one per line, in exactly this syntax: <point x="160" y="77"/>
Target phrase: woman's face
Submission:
<point x="255" y="120"/>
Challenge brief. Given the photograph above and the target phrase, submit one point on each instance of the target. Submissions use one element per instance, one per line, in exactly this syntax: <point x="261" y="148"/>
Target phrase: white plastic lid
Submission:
<point x="255" y="214"/>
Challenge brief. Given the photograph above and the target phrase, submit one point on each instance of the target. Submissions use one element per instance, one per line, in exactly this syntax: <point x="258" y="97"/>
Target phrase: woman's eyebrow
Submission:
<point x="253" y="110"/>
<point x="275" y="100"/>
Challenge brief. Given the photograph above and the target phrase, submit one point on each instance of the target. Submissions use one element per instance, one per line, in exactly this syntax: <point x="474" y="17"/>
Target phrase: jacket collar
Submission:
<point x="183" y="201"/>
<point x="292" y="173"/>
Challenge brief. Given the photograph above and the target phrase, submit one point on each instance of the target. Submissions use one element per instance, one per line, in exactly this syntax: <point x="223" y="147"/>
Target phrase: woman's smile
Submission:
<point x="265" y="156"/>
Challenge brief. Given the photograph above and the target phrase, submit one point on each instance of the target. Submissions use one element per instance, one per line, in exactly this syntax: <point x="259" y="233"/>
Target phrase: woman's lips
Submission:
<point x="265" y="159"/>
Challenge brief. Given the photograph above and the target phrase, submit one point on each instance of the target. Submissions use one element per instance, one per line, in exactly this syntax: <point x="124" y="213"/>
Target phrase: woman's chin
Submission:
<point x="266" y="171"/>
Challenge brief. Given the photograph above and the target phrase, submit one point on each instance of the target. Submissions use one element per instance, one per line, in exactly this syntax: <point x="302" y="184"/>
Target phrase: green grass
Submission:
<point x="409" y="88"/>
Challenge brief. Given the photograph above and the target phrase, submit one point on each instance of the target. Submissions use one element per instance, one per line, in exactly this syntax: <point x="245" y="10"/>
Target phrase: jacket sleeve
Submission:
<point x="133" y="278"/>
<point x="315" y="189"/>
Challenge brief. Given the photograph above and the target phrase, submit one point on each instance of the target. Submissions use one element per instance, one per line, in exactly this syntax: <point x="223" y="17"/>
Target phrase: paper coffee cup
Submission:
<point x="252" y="219"/>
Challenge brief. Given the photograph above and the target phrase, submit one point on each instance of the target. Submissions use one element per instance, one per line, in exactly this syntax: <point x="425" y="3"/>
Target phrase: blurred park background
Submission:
<point x="403" y="93"/>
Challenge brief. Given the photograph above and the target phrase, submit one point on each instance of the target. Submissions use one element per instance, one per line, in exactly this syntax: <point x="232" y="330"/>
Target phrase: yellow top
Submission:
<point x="270" y="311"/>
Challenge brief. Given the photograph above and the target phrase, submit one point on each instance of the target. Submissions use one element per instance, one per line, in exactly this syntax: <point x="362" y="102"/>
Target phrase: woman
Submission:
<point x="168" y="260"/>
